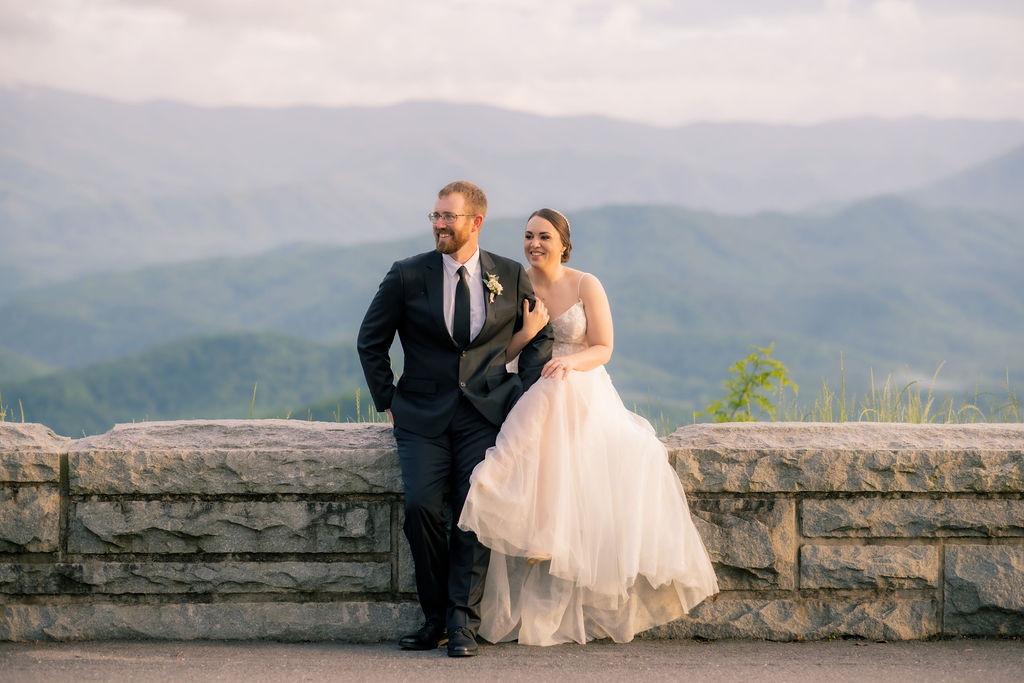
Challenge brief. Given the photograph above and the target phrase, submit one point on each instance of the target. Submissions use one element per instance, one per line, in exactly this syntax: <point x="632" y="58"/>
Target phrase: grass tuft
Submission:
<point x="907" y="402"/>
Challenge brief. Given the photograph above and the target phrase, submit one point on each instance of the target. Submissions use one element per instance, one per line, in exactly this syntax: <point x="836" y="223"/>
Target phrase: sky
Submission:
<point x="660" y="62"/>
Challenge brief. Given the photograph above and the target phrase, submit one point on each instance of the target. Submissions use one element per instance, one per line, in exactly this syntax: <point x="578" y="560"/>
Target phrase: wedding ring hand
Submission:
<point x="556" y="368"/>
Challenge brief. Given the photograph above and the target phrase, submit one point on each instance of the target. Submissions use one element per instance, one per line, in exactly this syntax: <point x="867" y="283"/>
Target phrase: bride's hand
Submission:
<point x="535" y="320"/>
<point x="557" y="367"/>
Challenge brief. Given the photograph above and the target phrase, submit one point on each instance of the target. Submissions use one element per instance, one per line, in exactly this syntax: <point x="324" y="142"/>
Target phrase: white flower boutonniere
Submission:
<point x="493" y="286"/>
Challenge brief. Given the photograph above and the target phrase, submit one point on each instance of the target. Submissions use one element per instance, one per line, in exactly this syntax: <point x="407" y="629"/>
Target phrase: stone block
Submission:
<point x="271" y="435"/>
<point x="237" y="456"/>
<point x="29" y="519"/>
<point x="359" y="622"/>
<point x="30" y="453"/>
<point x="880" y="618"/>
<point x="879" y="567"/>
<point x="406" y="569"/>
<point x="880" y="517"/>
<point x="29" y="467"/>
<point x="122" y="578"/>
<point x="984" y="591"/>
<point x="229" y="527"/>
<point x="752" y="542"/>
<point x="757" y="457"/>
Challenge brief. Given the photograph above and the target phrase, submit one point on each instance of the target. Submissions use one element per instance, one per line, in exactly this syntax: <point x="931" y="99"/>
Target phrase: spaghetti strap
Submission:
<point x="579" y="285"/>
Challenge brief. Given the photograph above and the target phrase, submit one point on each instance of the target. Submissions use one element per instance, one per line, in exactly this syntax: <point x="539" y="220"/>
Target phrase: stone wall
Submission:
<point x="291" y="530"/>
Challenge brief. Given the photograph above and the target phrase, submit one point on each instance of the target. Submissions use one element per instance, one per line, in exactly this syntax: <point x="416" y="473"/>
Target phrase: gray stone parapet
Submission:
<point x="889" y="531"/>
<point x="291" y="530"/>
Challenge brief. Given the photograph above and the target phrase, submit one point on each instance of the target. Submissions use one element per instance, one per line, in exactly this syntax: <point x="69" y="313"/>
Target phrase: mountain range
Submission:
<point x="88" y="184"/>
<point x="884" y="284"/>
<point x="996" y="185"/>
<point x="161" y="261"/>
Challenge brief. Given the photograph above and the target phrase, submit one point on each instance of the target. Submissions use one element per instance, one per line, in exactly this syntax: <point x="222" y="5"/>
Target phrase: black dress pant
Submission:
<point x="450" y="563"/>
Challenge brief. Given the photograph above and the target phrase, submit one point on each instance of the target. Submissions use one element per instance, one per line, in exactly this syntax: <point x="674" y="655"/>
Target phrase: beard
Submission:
<point x="452" y="244"/>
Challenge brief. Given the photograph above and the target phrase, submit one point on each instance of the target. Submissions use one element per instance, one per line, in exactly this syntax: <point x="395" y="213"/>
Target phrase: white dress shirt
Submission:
<point x="475" y="280"/>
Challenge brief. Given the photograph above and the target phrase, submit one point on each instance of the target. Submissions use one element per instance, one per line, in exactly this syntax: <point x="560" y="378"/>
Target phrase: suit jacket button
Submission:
<point x="462" y="384"/>
<point x="463" y="354"/>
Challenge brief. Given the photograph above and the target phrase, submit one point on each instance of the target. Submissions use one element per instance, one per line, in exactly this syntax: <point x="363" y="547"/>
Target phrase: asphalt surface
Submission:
<point x="961" y="660"/>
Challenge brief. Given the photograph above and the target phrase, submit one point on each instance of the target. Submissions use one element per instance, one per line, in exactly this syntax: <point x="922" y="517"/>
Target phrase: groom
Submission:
<point x="455" y="310"/>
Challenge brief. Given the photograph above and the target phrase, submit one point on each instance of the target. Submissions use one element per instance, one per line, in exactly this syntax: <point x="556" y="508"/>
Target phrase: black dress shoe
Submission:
<point x="429" y="637"/>
<point x="461" y="643"/>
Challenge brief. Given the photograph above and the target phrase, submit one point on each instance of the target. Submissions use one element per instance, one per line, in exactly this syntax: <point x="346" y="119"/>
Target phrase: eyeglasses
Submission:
<point x="445" y="218"/>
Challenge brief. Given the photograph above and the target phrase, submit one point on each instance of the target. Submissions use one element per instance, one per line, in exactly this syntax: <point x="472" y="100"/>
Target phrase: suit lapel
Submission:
<point x="487" y="266"/>
<point x="433" y="282"/>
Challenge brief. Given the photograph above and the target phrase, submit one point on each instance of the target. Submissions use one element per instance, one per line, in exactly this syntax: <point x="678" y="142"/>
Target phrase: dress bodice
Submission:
<point x="570" y="330"/>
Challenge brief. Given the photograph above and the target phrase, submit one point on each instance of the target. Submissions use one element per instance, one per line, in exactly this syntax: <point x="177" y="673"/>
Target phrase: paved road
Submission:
<point x="960" y="661"/>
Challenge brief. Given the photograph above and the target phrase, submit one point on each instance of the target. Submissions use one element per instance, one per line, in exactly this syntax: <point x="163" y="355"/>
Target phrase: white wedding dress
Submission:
<point x="576" y="477"/>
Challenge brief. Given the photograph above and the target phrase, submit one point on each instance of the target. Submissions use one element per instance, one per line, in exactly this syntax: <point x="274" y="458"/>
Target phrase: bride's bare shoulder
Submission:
<point x="584" y="279"/>
<point x="590" y="287"/>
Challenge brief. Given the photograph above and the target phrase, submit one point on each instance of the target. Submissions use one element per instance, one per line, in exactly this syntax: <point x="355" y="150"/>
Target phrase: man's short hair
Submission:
<point x="476" y="200"/>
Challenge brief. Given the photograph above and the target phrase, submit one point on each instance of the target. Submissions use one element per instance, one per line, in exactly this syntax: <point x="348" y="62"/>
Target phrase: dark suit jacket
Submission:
<point x="410" y="302"/>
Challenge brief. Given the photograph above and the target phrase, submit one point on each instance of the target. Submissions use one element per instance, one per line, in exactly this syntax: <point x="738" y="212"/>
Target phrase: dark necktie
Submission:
<point x="460" y="323"/>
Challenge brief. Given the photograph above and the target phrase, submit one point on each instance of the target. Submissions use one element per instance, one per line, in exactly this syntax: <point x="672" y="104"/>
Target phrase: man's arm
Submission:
<point x="376" y="333"/>
<point x="537" y="351"/>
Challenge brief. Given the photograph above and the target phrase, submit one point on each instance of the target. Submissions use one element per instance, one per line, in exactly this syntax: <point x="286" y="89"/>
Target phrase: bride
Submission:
<point x="588" y="526"/>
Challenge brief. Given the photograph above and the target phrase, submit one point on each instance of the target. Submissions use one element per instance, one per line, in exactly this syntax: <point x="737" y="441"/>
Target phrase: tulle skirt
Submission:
<point x="576" y="477"/>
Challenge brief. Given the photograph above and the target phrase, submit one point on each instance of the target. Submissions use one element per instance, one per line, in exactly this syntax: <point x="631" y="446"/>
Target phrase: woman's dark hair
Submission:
<point x="561" y="224"/>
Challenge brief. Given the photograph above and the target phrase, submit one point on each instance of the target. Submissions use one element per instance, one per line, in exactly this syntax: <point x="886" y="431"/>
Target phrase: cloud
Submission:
<point x="650" y="60"/>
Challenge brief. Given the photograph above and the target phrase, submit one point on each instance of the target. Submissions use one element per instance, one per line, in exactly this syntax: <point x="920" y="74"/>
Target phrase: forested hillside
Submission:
<point x="892" y="286"/>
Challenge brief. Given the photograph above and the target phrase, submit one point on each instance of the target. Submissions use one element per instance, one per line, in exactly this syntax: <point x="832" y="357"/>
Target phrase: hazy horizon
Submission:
<point x="14" y="87"/>
<point x="652" y="61"/>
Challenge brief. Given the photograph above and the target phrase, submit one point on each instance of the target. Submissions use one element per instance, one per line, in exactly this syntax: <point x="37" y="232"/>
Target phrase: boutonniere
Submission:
<point x="493" y="286"/>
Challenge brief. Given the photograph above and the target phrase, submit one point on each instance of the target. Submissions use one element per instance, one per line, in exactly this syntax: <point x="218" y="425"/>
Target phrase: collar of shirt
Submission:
<point x="451" y="266"/>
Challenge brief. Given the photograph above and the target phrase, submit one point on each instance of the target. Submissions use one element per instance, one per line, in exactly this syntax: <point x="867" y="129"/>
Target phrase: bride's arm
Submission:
<point x="600" y="336"/>
<point x="533" y="322"/>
